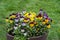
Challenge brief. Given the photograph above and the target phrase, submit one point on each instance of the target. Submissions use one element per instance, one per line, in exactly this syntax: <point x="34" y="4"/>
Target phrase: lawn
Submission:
<point x="52" y="7"/>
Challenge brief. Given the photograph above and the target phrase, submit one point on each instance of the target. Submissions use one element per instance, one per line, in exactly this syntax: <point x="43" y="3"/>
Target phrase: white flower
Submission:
<point x="16" y="20"/>
<point x="21" y="19"/>
<point x="25" y="34"/>
<point x="22" y="30"/>
<point x="19" y="25"/>
<point x="23" y="11"/>
<point x="16" y="24"/>
<point x="15" y="28"/>
<point x="23" y="24"/>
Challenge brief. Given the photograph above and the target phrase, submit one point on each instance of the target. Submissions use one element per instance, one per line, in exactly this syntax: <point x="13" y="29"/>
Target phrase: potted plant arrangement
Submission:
<point x="28" y="26"/>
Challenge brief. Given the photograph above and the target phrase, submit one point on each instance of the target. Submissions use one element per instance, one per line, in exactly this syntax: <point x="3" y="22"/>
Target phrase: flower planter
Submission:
<point x="28" y="25"/>
<point x="10" y="37"/>
<point x="43" y="37"/>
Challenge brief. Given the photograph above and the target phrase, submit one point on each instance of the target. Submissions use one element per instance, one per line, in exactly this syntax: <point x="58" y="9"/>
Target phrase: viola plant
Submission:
<point x="28" y="24"/>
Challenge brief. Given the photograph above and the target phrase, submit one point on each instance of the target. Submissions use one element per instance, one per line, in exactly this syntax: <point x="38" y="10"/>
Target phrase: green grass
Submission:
<point x="52" y="7"/>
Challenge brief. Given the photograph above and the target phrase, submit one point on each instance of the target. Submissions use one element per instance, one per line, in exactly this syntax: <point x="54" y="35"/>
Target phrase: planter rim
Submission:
<point x="38" y="36"/>
<point x="10" y="35"/>
<point x="30" y="37"/>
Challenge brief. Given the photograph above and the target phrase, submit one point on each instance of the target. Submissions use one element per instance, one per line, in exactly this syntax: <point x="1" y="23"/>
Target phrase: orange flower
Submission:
<point x="46" y="20"/>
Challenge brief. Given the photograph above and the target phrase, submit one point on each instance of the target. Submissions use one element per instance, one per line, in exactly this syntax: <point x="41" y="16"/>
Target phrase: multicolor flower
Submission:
<point x="48" y="25"/>
<point x="11" y="20"/>
<point x="32" y="24"/>
<point x="43" y="22"/>
<point x="7" y="20"/>
<point x="26" y="19"/>
<point x="46" y="20"/>
<point x="39" y="17"/>
<point x="45" y="15"/>
<point x="26" y="14"/>
<point x="18" y="15"/>
<point x="12" y="16"/>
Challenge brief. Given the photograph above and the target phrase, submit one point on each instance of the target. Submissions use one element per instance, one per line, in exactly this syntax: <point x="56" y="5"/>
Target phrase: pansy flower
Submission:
<point x="46" y="20"/>
<point x="18" y="15"/>
<point x="25" y="34"/>
<point x="15" y="27"/>
<point x="48" y="26"/>
<point x="7" y="19"/>
<point x="16" y="19"/>
<point x="26" y="14"/>
<point x="24" y="11"/>
<point x="32" y="24"/>
<point x="45" y="15"/>
<point x="26" y="19"/>
<point x="22" y="30"/>
<point x="12" y="16"/>
<point x="23" y="24"/>
<point x="11" y="20"/>
<point x="43" y="22"/>
<point x="41" y="11"/>
<point x="39" y="17"/>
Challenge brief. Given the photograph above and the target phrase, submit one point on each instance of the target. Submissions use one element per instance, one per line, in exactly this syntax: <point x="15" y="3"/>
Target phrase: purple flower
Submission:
<point x="41" y="11"/>
<point x="22" y="17"/>
<point x="45" y="15"/>
<point x="18" y="15"/>
<point x="49" y="19"/>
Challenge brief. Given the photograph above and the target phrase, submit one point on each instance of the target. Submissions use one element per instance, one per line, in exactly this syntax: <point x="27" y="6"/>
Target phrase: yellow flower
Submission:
<point x="25" y="20"/>
<point x="26" y="14"/>
<point x="46" y="20"/>
<point x="31" y="25"/>
<point x="13" y="16"/>
<point x="32" y="19"/>
<point x="11" y="21"/>
<point x="39" y="18"/>
<point x="7" y="20"/>
<point x="48" y="26"/>
<point x="33" y="15"/>
<point x="43" y="22"/>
